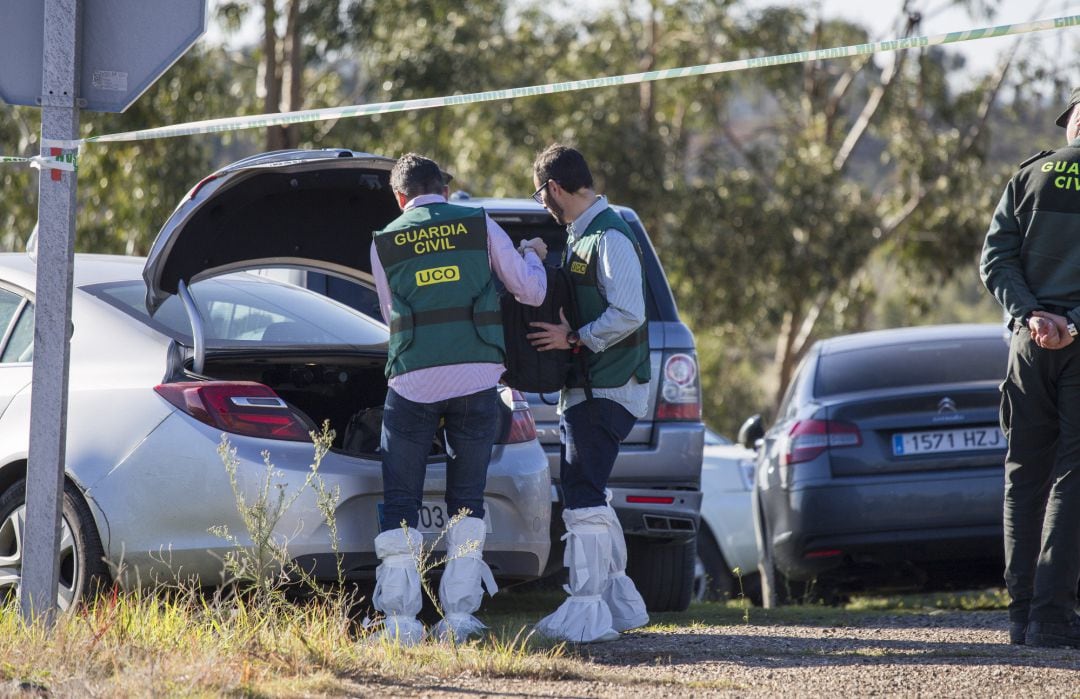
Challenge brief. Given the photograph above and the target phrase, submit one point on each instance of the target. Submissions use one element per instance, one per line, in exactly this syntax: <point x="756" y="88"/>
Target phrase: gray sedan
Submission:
<point x="884" y="468"/>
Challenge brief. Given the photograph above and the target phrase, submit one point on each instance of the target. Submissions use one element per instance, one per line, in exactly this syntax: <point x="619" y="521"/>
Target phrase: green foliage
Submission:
<point x="769" y="224"/>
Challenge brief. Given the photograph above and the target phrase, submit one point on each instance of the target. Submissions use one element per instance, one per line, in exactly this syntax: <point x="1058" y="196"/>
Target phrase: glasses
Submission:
<point x="538" y="195"/>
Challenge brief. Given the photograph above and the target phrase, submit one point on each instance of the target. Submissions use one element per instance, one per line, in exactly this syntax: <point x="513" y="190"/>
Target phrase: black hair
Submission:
<point x="565" y="165"/>
<point x="414" y="175"/>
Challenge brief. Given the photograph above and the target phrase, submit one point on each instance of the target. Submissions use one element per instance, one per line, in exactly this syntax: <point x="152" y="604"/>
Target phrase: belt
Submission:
<point x="1056" y="310"/>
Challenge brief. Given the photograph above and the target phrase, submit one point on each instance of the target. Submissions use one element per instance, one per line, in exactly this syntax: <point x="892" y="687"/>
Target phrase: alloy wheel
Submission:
<point x="12" y="531"/>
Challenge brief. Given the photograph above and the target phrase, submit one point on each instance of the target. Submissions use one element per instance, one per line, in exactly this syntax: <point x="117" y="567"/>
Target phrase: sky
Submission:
<point x="941" y="17"/>
<point x="1055" y="48"/>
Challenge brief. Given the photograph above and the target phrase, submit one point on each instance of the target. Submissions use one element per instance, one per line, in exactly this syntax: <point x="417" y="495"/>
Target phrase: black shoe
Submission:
<point x="1050" y="634"/>
<point x="1017" y="632"/>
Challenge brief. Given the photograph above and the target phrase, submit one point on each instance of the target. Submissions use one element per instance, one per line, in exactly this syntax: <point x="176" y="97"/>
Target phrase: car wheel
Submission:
<point x="662" y="571"/>
<point x="718" y="584"/>
<point x="82" y="567"/>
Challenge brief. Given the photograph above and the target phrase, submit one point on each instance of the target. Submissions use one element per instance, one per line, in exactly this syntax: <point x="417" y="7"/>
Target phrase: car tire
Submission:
<point x="662" y="571"/>
<point x="83" y="571"/>
<point x="719" y="584"/>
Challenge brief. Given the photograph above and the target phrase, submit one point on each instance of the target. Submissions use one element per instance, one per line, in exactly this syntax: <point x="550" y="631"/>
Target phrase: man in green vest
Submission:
<point x="600" y="404"/>
<point x="435" y="268"/>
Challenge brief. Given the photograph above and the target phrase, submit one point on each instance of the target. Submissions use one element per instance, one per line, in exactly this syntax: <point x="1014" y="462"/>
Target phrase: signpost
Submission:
<point x="65" y="55"/>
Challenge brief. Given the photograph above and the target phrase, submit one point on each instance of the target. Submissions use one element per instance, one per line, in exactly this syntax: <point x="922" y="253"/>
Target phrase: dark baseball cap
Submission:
<point x="1074" y="99"/>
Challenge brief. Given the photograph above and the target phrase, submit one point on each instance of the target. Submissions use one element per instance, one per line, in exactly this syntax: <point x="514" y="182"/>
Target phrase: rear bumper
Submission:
<point x="668" y="468"/>
<point x="861" y="523"/>
<point x="161" y="501"/>
<point x="678" y="520"/>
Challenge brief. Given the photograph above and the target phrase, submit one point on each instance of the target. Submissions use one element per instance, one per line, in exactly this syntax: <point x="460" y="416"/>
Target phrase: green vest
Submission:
<point x="445" y="309"/>
<point x="630" y="356"/>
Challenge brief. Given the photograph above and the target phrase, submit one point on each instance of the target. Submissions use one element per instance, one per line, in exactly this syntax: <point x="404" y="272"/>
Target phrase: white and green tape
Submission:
<point x="68" y="162"/>
<point x="311" y="115"/>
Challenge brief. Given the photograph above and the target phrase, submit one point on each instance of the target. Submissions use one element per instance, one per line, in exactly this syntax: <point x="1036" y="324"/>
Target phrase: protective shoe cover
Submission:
<point x="584" y="617"/>
<point x="459" y="591"/>
<point x="622" y="597"/>
<point x="397" y="586"/>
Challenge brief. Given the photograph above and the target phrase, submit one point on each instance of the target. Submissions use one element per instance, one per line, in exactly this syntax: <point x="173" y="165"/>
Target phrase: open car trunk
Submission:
<point x="346" y="390"/>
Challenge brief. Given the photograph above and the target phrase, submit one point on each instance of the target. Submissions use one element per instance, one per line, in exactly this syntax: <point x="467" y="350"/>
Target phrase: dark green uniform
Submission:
<point x="445" y="306"/>
<point x="630" y="356"/>
<point x="1030" y="261"/>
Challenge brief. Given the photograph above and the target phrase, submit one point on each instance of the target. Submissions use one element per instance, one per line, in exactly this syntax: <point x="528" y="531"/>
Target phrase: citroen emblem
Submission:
<point x="946" y="405"/>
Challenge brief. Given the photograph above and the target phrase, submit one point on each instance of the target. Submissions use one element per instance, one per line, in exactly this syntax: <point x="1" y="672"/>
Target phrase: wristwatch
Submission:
<point x="573" y="339"/>
<point x="1071" y="327"/>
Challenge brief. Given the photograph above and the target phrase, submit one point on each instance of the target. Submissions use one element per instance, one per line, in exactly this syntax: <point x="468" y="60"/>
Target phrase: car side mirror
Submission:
<point x="751" y="431"/>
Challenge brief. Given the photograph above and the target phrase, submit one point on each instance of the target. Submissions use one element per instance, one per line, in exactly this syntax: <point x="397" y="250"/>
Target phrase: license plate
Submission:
<point x="434" y="518"/>
<point x="942" y="441"/>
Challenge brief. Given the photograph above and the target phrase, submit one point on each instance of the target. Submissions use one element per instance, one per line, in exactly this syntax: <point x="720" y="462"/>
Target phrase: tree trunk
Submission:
<point x="784" y="359"/>
<point x="275" y="136"/>
<point x="294" y="76"/>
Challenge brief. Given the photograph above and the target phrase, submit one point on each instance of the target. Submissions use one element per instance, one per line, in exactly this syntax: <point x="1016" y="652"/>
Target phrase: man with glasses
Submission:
<point x="600" y="404"/>
<point x="434" y="268"/>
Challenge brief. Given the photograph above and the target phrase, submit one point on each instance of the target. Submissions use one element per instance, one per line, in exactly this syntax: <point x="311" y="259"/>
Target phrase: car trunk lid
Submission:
<point x="936" y="429"/>
<point x="314" y="209"/>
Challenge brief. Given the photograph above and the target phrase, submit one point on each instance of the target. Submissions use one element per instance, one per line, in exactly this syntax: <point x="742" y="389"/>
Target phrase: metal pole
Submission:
<point x="52" y="315"/>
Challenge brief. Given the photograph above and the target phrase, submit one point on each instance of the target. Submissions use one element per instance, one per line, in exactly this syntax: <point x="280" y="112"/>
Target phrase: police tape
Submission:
<point x="68" y="163"/>
<point x="311" y="115"/>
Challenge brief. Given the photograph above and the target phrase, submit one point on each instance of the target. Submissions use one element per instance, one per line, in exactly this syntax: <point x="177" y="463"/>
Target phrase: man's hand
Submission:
<point x="551" y="336"/>
<point x="1049" y="330"/>
<point x="537" y="244"/>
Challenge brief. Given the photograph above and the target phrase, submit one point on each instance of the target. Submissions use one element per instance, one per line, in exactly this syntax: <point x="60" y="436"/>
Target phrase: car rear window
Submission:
<point x="914" y="364"/>
<point x="246" y="311"/>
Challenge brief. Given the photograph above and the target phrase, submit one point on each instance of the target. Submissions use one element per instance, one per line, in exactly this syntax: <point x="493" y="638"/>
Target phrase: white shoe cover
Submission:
<point x="460" y="591"/>
<point x="584" y="617"/>
<point x="397" y="587"/>
<point x="622" y="597"/>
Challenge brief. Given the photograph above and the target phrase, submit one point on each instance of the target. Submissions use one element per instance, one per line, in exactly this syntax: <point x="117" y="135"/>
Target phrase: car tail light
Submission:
<point x="680" y="390"/>
<point x="808" y="439"/>
<point x="239" y="407"/>
<point x="521" y="428"/>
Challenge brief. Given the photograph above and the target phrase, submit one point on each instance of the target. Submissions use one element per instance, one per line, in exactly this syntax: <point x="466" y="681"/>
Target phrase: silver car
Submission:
<point x="234" y="354"/>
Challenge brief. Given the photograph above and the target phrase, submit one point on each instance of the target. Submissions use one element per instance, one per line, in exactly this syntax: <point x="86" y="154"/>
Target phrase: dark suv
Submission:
<point x="656" y="482"/>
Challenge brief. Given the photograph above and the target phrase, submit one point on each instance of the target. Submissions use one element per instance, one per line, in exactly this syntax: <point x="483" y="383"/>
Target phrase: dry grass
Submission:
<point x="182" y="643"/>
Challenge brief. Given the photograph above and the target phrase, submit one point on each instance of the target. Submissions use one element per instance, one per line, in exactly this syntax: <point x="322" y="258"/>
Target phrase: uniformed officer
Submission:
<point x="1031" y="264"/>
<point x="434" y="268"/>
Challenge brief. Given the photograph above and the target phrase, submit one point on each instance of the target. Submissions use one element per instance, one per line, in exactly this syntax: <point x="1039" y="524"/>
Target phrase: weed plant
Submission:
<point x="249" y="637"/>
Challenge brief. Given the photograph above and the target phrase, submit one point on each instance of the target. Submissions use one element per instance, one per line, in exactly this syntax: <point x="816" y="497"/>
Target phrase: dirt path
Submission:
<point x="936" y="654"/>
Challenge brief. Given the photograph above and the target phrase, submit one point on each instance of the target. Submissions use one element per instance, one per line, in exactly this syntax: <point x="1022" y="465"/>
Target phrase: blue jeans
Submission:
<point x="591" y="434"/>
<point x="408" y="430"/>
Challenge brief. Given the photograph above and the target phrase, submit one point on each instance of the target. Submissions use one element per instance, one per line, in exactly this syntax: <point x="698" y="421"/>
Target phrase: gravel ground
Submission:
<point x="936" y="654"/>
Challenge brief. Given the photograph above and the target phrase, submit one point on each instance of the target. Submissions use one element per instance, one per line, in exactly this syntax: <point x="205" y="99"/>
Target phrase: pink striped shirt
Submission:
<point x="523" y="277"/>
